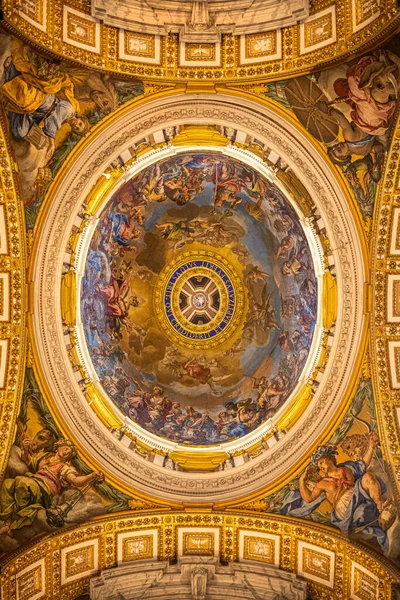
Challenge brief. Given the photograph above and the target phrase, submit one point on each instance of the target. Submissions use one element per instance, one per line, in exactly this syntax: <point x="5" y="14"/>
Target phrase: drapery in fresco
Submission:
<point x="46" y="484"/>
<point x="50" y="106"/>
<point x="347" y="483"/>
<point x="350" y="110"/>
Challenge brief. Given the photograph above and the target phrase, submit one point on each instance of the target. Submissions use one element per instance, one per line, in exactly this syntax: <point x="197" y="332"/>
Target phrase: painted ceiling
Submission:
<point x="199" y="277"/>
<point x="199" y="299"/>
<point x="207" y="42"/>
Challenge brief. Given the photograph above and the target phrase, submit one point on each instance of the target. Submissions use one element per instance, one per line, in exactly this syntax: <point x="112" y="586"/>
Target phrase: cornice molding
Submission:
<point x="63" y="564"/>
<point x="166" y="58"/>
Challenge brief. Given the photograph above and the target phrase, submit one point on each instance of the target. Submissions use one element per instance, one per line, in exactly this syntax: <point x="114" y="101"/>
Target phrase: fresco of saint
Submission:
<point x="23" y="496"/>
<point x="354" y="492"/>
<point x="46" y="484"/>
<point x="347" y="483"/>
<point x="50" y="106"/>
<point x="349" y="109"/>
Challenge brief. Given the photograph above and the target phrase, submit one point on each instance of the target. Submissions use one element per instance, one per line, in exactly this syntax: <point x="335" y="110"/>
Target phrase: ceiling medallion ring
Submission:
<point x="198" y="299"/>
<point x="204" y="313"/>
<point x="121" y="462"/>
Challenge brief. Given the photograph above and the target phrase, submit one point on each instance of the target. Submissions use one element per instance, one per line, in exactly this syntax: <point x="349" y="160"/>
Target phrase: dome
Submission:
<point x="201" y="295"/>
<point x="199" y="298"/>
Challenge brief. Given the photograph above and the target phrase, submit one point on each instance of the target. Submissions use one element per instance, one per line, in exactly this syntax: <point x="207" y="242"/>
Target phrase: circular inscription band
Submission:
<point x="200" y="300"/>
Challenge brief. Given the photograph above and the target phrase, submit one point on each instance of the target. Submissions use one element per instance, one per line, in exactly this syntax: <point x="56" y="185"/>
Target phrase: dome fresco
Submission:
<point x="199" y="299"/>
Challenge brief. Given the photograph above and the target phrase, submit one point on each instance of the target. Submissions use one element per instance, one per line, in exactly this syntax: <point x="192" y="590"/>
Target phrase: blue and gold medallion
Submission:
<point x="200" y="300"/>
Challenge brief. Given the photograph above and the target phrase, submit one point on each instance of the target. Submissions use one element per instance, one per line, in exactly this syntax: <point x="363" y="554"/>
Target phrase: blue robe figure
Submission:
<point x="123" y="229"/>
<point x="353" y="507"/>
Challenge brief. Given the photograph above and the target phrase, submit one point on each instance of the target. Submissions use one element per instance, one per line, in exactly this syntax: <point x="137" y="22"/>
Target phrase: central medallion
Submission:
<point x="200" y="300"/>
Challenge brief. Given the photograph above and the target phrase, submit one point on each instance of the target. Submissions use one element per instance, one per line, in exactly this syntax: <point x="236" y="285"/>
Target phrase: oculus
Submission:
<point x="199" y="299"/>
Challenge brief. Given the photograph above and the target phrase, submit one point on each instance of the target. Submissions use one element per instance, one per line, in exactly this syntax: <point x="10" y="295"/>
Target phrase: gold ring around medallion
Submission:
<point x="221" y="324"/>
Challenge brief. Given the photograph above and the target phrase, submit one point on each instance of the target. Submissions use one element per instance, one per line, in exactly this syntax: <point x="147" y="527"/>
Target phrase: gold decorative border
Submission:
<point x="128" y="556"/>
<point x="12" y="332"/>
<point x="73" y="17"/>
<point x="233" y="328"/>
<point x="187" y="460"/>
<point x="73" y="36"/>
<point x="35" y="13"/>
<point x="291" y="63"/>
<point x="187" y="550"/>
<point x="270" y="35"/>
<point x="324" y="19"/>
<point x="385" y="331"/>
<point x="53" y="547"/>
<point x="359" y="18"/>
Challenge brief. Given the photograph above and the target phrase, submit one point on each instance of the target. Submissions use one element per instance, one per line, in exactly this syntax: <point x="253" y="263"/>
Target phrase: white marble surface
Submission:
<point x="225" y="16"/>
<point x="196" y="578"/>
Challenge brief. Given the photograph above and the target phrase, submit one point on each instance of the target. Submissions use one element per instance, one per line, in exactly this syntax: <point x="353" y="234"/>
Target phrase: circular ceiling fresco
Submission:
<point x="199" y="299"/>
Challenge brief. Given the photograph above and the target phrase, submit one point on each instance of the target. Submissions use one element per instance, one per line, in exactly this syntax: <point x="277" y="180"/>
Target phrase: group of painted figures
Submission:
<point x="356" y="495"/>
<point x="49" y="107"/>
<point x="157" y="413"/>
<point x="351" y="112"/>
<point x="216" y="203"/>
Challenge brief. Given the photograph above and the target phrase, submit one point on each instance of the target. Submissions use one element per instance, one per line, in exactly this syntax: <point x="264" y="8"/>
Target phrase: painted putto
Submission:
<point x="199" y="299"/>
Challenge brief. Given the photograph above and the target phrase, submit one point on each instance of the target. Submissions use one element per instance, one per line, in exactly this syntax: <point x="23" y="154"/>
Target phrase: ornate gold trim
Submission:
<point x="384" y="327"/>
<point x="226" y="528"/>
<point x="13" y="333"/>
<point x="198" y="135"/>
<point x="199" y="461"/>
<point x="248" y="95"/>
<point x="100" y="190"/>
<point x="50" y="40"/>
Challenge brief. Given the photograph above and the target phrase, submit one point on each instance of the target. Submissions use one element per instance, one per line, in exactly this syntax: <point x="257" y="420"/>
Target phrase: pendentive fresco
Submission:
<point x="349" y="109"/>
<point x="347" y="482"/>
<point x="50" y="106"/>
<point x="47" y="485"/>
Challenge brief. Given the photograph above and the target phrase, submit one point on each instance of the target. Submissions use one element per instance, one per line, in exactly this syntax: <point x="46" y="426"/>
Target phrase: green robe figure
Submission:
<point x="22" y="497"/>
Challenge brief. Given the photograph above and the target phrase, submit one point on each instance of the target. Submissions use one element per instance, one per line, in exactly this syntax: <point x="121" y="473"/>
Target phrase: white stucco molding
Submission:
<point x="283" y="138"/>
